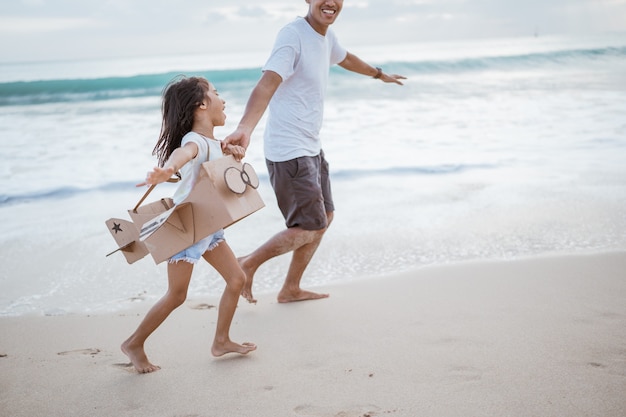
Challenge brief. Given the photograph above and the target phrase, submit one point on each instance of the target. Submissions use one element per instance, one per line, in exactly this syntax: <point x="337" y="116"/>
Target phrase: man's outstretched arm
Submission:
<point x="355" y="64"/>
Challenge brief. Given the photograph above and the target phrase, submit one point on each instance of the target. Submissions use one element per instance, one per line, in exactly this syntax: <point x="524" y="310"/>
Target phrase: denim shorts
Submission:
<point x="194" y="252"/>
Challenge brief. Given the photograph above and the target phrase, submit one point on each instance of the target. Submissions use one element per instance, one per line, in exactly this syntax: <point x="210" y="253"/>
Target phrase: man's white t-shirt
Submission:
<point x="302" y="58"/>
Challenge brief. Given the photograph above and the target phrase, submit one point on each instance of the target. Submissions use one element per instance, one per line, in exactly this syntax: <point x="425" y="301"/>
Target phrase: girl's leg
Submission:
<point x="178" y="276"/>
<point x="223" y="260"/>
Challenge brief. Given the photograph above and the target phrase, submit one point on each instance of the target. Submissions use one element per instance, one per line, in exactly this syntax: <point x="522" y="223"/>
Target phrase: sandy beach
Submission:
<point x="476" y="263"/>
<point x="537" y="337"/>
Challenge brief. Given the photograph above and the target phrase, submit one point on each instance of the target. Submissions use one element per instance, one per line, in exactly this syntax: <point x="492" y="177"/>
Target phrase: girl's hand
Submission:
<point x="157" y="176"/>
<point x="235" y="150"/>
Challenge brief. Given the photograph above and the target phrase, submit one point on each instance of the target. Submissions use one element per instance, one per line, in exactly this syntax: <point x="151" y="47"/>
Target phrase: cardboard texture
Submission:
<point x="215" y="202"/>
<point x="126" y="236"/>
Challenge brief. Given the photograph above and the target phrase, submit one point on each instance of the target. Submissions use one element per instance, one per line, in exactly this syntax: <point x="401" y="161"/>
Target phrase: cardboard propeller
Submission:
<point x="237" y="179"/>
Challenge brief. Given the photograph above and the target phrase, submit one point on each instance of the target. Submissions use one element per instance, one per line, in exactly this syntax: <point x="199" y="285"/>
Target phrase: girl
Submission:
<point x="191" y="109"/>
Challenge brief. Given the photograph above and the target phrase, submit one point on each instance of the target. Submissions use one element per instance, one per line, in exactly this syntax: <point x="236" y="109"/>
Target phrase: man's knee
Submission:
<point x="305" y="236"/>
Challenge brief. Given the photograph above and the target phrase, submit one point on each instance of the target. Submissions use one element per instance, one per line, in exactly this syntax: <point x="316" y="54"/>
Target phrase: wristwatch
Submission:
<point x="379" y="73"/>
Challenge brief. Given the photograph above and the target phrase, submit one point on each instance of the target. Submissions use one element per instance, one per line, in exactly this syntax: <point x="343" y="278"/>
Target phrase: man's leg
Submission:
<point x="302" y="188"/>
<point x="288" y="240"/>
<point x="301" y="258"/>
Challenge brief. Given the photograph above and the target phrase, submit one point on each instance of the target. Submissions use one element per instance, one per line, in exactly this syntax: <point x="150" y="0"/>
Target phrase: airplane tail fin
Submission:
<point x="126" y="236"/>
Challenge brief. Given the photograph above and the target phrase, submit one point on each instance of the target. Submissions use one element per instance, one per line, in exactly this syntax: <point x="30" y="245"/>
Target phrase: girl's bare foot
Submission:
<point x="139" y="359"/>
<point x="286" y="296"/>
<point x="246" y="292"/>
<point x="220" y="349"/>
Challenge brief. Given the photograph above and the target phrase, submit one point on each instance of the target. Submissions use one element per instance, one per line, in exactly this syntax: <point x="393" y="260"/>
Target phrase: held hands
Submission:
<point x="235" y="150"/>
<point x="238" y="137"/>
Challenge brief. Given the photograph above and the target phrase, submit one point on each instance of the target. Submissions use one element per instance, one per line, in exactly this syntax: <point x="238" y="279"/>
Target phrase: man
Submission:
<point x="293" y="85"/>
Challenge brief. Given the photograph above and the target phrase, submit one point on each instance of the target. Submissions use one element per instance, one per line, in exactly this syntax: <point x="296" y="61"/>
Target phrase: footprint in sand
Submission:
<point x="597" y="365"/>
<point x="353" y="411"/>
<point x="138" y="297"/>
<point x="128" y="367"/>
<point x="465" y="373"/>
<point x="89" y="351"/>
<point x="202" y="306"/>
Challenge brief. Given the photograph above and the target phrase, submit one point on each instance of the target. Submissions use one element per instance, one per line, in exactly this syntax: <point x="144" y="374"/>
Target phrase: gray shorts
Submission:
<point x="302" y="188"/>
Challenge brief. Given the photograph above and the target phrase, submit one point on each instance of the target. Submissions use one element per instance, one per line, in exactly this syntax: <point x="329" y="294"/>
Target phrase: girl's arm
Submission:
<point x="177" y="159"/>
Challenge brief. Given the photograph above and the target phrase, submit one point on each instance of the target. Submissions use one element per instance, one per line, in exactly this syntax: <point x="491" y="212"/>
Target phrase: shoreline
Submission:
<point x="539" y="336"/>
<point x="454" y="222"/>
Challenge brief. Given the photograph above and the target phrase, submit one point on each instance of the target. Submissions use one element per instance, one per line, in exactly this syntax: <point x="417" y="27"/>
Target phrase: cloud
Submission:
<point x="422" y="20"/>
<point x="254" y="13"/>
<point x="68" y="29"/>
<point x="35" y="25"/>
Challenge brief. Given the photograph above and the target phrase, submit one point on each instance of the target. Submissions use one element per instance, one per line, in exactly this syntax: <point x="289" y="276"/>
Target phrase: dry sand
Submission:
<point x="537" y="337"/>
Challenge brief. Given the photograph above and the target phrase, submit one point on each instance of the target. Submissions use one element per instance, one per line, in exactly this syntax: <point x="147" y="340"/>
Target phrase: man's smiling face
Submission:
<point x="322" y="13"/>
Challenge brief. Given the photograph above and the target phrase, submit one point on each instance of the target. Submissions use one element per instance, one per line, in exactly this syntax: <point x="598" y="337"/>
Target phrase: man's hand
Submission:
<point x="238" y="137"/>
<point x="392" y="78"/>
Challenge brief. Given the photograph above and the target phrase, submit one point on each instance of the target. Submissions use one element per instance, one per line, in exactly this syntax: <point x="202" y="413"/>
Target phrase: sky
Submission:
<point x="43" y="30"/>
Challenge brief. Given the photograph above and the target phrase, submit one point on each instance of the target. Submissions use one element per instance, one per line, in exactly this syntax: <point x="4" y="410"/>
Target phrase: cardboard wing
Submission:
<point x="167" y="233"/>
<point x="224" y="193"/>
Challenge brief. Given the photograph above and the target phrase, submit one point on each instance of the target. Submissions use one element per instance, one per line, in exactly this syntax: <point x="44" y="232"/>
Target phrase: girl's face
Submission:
<point x="215" y="106"/>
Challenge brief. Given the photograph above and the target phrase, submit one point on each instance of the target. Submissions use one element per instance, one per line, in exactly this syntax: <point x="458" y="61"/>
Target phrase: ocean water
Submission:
<point x="493" y="149"/>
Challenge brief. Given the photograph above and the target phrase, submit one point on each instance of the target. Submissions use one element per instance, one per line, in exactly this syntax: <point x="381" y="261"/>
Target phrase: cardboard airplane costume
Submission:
<point x="225" y="192"/>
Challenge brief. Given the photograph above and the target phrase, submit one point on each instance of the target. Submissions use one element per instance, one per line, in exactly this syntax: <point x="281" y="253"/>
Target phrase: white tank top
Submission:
<point x="208" y="150"/>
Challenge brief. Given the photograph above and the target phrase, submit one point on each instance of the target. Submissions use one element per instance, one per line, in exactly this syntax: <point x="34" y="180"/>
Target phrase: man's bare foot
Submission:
<point x="246" y="291"/>
<point x="139" y="359"/>
<point x="219" y="349"/>
<point x="286" y="296"/>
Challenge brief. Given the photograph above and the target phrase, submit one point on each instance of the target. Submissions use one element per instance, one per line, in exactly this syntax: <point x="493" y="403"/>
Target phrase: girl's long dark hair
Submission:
<point x="181" y="97"/>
